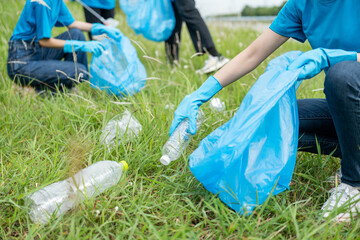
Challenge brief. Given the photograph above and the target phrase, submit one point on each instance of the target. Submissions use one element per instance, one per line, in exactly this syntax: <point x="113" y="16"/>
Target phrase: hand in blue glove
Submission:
<point x="98" y="29"/>
<point x="189" y="106"/>
<point x="314" y="61"/>
<point x="94" y="47"/>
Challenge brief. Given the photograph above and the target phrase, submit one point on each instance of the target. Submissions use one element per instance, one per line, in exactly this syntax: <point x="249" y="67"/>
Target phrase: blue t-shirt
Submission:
<point x="39" y="17"/>
<point x="332" y="24"/>
<point x="103" y="4"/>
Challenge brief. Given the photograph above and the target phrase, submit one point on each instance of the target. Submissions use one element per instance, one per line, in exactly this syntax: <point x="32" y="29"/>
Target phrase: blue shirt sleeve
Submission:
<point x="65" y="17"/>
<point x="288" y="23"/>
<point x="42" y="21"/>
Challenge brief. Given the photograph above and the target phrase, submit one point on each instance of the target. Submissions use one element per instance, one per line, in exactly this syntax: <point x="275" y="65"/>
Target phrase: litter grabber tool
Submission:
<point x="111" y="22"/>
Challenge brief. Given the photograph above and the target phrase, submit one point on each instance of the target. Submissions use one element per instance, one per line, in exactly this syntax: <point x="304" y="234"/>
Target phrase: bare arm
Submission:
<point x="58" y="43"/>
<point x="83" y="26"/>
<point x="52" y="43"/>
<point x="251" y="57"/>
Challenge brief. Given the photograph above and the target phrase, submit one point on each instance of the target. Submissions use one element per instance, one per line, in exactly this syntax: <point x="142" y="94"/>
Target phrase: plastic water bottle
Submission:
<point x="59" y="197"/>
<point x="217" y="104"/>
<point x="179" y="140"/>
<point x="124" y="126"/>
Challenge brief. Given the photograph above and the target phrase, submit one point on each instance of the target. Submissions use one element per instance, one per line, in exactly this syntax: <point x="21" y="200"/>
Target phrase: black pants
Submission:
<point x="105" y="13"/>
<point x="185" y="11"/>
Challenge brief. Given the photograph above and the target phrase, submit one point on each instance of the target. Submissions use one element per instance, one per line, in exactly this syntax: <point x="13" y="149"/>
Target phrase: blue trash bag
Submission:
<point x="118" y="70"/>
<point x="154" y="19"/>
<point x="253" y="155"/>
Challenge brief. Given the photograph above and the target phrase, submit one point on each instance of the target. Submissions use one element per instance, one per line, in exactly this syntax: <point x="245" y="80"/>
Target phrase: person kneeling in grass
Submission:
<point x="35" y="57"/>
<point x="333" y="122"/>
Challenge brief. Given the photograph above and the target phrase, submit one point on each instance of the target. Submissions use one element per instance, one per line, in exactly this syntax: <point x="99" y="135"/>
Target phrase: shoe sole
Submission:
<point x="214" y="67"/>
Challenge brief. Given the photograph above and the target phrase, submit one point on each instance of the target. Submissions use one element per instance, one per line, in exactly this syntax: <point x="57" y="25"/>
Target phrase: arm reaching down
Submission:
<point x="239" y="66"/>
<point x="250" y="58"/>
<point x="83" y="26"/>
<point x="59" y="43"/>
<point x="52" y="43"/>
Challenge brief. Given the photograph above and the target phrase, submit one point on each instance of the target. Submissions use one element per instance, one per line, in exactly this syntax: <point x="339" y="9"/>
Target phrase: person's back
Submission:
<point x="324" y="23"/>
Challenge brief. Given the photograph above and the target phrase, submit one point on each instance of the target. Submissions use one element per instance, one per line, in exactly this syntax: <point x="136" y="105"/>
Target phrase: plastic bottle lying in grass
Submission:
<point x="59" y="197"/>
<point x="217" y="104"/>
<point x="124" y="126"/>
<point x="179" y="140"/>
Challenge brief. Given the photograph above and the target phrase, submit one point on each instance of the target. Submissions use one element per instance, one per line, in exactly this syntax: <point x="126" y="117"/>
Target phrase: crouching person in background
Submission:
<point x="35" y="58"/>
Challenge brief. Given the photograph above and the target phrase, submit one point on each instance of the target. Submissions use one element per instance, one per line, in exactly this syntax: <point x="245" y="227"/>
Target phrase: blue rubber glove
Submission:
<point x="94" y="47"/>
<point x="98" y="29"/>
<point x="189" y="106"/>
<point x="314" y="61"/>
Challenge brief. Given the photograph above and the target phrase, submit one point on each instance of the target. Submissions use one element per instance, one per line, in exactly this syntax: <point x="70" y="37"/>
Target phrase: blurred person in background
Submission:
<point x="185" y="11"/>
<point x="35" y="57"/>
<point x="104" y="8"/>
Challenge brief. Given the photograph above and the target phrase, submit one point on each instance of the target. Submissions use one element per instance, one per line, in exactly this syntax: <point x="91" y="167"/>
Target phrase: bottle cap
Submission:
<point x="165" y="160"/>
<point x="126" y="166"/>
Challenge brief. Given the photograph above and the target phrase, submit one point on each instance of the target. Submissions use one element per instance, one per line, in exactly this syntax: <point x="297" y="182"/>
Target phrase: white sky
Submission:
<point x="213" y="7"/>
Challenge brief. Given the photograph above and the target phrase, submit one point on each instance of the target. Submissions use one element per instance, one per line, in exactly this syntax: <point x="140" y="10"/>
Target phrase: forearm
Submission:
<point x="52" y="43"/>
<point x="250" y="58"/>
<point x="239" y="66"/>
<point x="83" y="26"/>
<point x="358" y="57"/>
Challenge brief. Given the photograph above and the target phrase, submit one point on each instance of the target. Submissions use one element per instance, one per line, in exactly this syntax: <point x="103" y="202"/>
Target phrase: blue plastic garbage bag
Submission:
<point x="254" y="154"/>
<point x="154" y="19"/>
<point x="118" y="70"/>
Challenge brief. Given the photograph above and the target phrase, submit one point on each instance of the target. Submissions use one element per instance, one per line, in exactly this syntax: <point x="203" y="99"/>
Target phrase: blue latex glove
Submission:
<point x="314" y="61"/>
<point x="98" y="29"/>
<point x="189" y="106"/>
<point x="94" y="47"/>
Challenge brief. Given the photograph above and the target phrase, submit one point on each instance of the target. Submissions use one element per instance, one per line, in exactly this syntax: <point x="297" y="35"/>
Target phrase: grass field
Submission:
<point x="43" y="139"/>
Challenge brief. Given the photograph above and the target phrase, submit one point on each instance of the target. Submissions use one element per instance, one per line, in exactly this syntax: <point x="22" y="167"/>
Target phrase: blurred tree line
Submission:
<point x="261" y="11"/>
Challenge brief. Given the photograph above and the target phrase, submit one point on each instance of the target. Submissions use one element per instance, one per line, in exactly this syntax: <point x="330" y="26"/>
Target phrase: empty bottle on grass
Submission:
<point x="124" y="126"/>
<point x="179" y="140"/>
<point x="217" y="104"/>
<point x="59" y="197"/>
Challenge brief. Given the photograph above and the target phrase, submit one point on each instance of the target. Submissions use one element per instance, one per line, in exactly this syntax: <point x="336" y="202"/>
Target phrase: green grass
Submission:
<point x="40" y="138"/>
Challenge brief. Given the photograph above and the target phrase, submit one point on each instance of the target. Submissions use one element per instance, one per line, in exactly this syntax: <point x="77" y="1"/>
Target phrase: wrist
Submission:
<point x="216" y="82"/>
<point x="68" y="46"/>
<point x="336" y="55"/>
<point x="209" y="88"/>
<point x="212" y="85"/>
<point x="95" y="27"/>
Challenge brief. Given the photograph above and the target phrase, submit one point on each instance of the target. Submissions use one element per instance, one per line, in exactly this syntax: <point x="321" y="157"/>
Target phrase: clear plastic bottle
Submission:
<point x="59" y="197"/>
<point x="179" y="140"/>
<point x="217" y="104"/>
<point x="124" y="126"/>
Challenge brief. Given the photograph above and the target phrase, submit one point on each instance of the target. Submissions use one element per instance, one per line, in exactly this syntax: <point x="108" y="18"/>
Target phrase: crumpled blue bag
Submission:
<point x="154" y="19"/>
<point x="118" y="70"/>
<point x="253" y="155"/>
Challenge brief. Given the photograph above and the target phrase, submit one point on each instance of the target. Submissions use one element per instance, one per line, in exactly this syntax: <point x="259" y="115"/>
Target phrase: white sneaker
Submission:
<point x="345" y="199"/>
<point x="213" y="64"/>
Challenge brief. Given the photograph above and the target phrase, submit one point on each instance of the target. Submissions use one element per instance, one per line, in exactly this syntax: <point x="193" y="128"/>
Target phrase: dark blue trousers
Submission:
<point x="334" y="122"/>
<point x="42" y="68"/>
